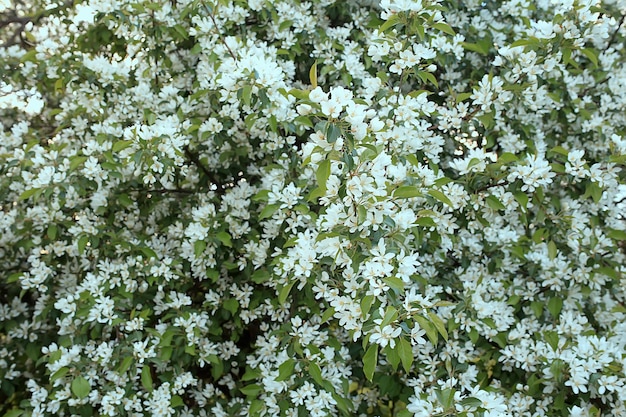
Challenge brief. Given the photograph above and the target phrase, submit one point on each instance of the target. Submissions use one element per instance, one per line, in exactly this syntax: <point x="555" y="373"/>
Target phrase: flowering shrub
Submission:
<point x="324" y="208"/>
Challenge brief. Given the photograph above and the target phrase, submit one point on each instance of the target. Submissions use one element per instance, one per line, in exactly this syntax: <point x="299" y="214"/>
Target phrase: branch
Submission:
<point x="210" y="11"/>
<point x="192" y="157"/>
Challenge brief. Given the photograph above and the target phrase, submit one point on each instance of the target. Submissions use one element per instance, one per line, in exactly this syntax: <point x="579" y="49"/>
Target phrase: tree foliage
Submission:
<point x="285" y="208"/>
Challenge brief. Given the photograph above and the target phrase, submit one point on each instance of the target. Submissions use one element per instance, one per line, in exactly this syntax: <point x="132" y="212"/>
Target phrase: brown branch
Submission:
<point x="192" y="157"/>
<point x="210" y="11"/>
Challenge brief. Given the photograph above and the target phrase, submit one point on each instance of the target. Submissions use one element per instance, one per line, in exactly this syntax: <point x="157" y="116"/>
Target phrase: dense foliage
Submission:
<point x="324" y="208"/>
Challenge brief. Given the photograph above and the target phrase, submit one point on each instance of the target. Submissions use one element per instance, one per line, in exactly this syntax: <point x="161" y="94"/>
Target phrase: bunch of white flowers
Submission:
<point x="326" y="208"/>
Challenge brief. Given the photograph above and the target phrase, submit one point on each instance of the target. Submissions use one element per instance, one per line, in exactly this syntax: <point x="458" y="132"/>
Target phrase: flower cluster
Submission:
<point x="278" y="208"/>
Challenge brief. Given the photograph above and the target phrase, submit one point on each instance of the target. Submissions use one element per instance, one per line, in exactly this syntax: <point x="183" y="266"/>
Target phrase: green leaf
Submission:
<point x="120" y="145"/>
<point x="429" y="328"/>
<point x="493" y="203"/>
<point x="322" y="174"/>
<point x="199" y="247"/>
<point x="471" y="402"/>
<point x="591" y="55"/>
<point x="370" y="359"/>
<point x="255" y="408"/>
<point x="59" y="374"/>
<point x="439" y="324"/>
<point x="177" y="401"/>
<point x="316" y="373"/>
<point x="616" y="234"/>
<point x="285" y="370"/>
<point x="332" y="133"/>
<point x="391" y="314"/>
<point x="284" y="292"/>
<point x="392" y="357"/>
<point x="128" y="360"/>
<point x="405" y="351"/>
<point x="251" y="374"/>
<point x="313" y="75"/>
<point x="251" y="390"/>
<point x="13" y="413"/>
<point x="246" y="94"/>
<point x="80" y="387"/>
<point x="224" y="237"/>
<point x="522" y="199"/>
<point x="146" y="378"/>
<point x="552" y="250"/>
<point x="231" y="305"/>
<point x="149" y="252"/>
<point x="75" y="161"/>
<point x="328" y="314"/>
<point x="552" y="338"/>
<point x="260" y="276"/>
<point x="82" y="243"/>
<point x="392" y="21"/>
<point x="52" y="231"/>
<point x="28" y="193"/>
<point x="268" y="211"/>
<point x="406" y="191"/>
<point x="537" y="308"/>
<point x="366" y="304"/>
<point x="554" y="306"/>
<point x="444" y="28"/>
<point x="440" y="196"/>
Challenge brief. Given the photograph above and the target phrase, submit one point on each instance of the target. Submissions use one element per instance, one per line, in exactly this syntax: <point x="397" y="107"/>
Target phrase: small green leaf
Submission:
<point x="13" y="413"/>
<point x="330" y="312"/>
<point x="82" y="243"/>
<point x="224" y="237"/>
<point x="591" y="55"/>
<point x="285" y="370"/>
<point x="268" y="211"/>
<point x="322" y="173"/>
<point x="440" y="196"/>
<point x="120" y="145"/>
<point x="80" y="387"/>
<point x="444" y="28"/>
<point x="370" y="359"/>
<point x="251" y="390"/>
<point x="75" y="161"/>
<point x="391" y="314"/>
<point x="29" y="193"/>
<point x="176" y="401"/>
<point x="255" y="408"/>
<point x="316" y="373"/>
<point x="260" y="276"/>
<point x="128" y="360"/>
<point x="554" y="306"/>
<point x="332" y="133"/>
<point x="439" y="324"/>
<point x="552" y="250"/>
<point x="616" y="234"/>
<point x="231" y="305"/>
<point x="406" y="191"/>
<point x="429" y="328"/>
<point x="52" y="231"/>
<point x="313" y="75"/>
<point x="59" y="374"/>
<point x="251" y="374"/>
<point x="493" y="203"/>
<point x="146" y="378"/>
<point x="405" y="351"/>
<point x="284" y="292"/>
<point x="392" y="21"/>
<point x="471" y="402"/>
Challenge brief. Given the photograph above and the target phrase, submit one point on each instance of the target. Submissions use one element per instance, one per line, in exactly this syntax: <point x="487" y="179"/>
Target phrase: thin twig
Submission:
<point x="196" y="161"/>
<point x="210" y="11"/>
